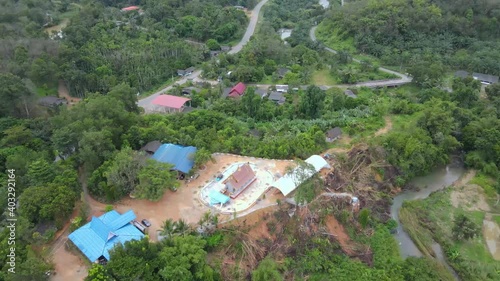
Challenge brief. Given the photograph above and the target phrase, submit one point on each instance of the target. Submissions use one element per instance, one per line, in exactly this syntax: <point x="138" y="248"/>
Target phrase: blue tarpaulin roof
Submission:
<point x="182" y="157"/>
<point x="217" y="198"/>
<point x="100" y="235"/>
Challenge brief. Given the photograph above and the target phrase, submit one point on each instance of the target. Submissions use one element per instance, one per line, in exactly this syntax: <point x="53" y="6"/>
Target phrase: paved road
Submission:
<point x="250" y="29"/>
<point x="147" y="104"/>
<point x="404" y="79"/>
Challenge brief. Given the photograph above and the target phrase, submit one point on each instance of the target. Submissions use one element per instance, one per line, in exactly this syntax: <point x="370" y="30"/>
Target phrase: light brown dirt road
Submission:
<point x="386" y="128"/>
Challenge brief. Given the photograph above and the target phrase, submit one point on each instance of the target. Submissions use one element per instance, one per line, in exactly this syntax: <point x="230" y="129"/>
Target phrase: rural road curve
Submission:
<point x="147" y="102"/>
<point x="404" y="79"/>
<point x="250" y="29"/>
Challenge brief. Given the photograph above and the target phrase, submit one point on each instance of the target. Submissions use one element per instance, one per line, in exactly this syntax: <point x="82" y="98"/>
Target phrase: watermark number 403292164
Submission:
<point x="11" y="219"/>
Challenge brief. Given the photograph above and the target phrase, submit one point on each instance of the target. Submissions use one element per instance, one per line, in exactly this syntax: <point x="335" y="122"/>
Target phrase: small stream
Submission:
<point x="437" y="180"/>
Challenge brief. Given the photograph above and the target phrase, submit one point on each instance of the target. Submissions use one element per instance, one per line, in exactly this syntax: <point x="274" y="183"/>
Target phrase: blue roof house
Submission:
<point x="100" y="235"/>
<point x="181" y="157"/>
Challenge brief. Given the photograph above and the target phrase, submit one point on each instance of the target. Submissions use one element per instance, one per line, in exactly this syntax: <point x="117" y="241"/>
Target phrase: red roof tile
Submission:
<point x="237" y="90"/>
<point x="131" y="8"/>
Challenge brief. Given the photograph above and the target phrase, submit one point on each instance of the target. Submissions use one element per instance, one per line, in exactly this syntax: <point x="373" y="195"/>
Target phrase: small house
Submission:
<point x="185" y="72"/>
<point x="130" y="8"/>
<point x="169" y="104"/>
<point x="225" y="48"/>
<point x="282" y="88"/>
<point x="261" y="92"/>
<point x="277" y="97"/>
<point x="350" y="94"/>
<point x="333" y="134"/>
<point x="485" y="79"/>
<point x="237" y="91"/>
<point x="282" y="71"/>
<point x="180" y="157"/>
<point x="98" y="237"/>
<point x="51" y="101"/>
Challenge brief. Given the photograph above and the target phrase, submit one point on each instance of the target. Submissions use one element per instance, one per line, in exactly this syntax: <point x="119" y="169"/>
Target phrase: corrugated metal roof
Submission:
<point x="170" y="101"/>
<point x="97" y="238"/>
<point x="180" y="156"/>
<point x="291" y="181"/>
<point x="123" y="220"/>
<point x="100" y="228"/>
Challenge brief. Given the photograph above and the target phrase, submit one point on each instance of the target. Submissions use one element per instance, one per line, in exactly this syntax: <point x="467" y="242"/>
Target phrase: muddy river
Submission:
<point x="434" y="181"/>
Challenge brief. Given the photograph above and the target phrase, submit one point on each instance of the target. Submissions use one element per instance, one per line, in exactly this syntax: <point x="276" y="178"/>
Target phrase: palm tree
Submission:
<point x="168" y="228"/>
<point x="181" y="227"/>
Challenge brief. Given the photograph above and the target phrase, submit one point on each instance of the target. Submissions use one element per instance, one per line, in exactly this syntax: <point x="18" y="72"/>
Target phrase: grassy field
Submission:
<point x="323" y="77"/>
<point x="431" y="220"/>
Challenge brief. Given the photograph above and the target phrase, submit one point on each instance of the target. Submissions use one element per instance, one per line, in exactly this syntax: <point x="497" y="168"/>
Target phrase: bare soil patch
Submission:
<point x="68" y="266"/>
<point x="386" y="128"/>
<point x="338" y="231"/>
<point x="470" y="197"/>
<point x="63" y="92"/>
<point x="491" y="233"/>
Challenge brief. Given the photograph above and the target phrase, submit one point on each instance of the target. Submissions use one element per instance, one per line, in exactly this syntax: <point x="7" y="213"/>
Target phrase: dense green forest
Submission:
<point x="460" y="34"/>
<point x="107" y="56"/>
<point x="103" y="46"/>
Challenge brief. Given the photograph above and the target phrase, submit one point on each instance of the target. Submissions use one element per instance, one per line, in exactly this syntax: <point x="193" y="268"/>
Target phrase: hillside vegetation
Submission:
<point x="461" y="34"/>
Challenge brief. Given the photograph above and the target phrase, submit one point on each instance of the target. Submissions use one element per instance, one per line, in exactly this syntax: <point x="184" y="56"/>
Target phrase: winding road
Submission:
<point x="403" y="79"/>
<point x="147" y="102"/>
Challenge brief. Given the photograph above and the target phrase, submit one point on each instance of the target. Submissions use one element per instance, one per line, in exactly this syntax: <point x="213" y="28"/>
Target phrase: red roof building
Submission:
<point x="130" y="8"/>
<point x="238" y="90"/>
<point x="168" y="103"/>
<point x="240" y="180"/>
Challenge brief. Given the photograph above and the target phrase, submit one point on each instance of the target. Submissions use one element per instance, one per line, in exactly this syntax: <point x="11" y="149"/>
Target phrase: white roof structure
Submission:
<point x="291" y="181"/>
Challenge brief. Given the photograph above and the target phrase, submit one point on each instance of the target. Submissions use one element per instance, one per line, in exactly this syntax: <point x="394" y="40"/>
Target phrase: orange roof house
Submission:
<point x="240" y="180"/>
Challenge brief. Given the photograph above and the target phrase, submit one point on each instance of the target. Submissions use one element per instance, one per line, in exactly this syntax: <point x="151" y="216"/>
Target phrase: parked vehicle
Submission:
<point x="146" y="223"/>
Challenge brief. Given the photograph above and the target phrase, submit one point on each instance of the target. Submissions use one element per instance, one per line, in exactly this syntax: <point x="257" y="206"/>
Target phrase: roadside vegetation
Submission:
<point x="459" y="35"/>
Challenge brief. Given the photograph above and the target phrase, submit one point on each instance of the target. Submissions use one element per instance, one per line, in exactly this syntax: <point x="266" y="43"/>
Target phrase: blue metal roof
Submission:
<point x="182" y="157"/>
<point x="217" y="198"/>
<point x="100" y="235"/>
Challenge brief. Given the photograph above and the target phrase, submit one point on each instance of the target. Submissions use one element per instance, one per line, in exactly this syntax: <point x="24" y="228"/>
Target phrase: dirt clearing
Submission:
<point x="470" y="197"/>
<point x="68" y="266"/>
<point x="63" y="92"/>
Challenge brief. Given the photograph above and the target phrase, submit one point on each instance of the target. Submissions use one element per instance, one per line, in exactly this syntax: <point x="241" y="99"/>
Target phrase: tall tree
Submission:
<point x="312" y="102"/>
<point x="16" y="97"/>
<point x="123" y="174"/>
<point x="154" y="178"/>
<point x="127" y="95"/>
